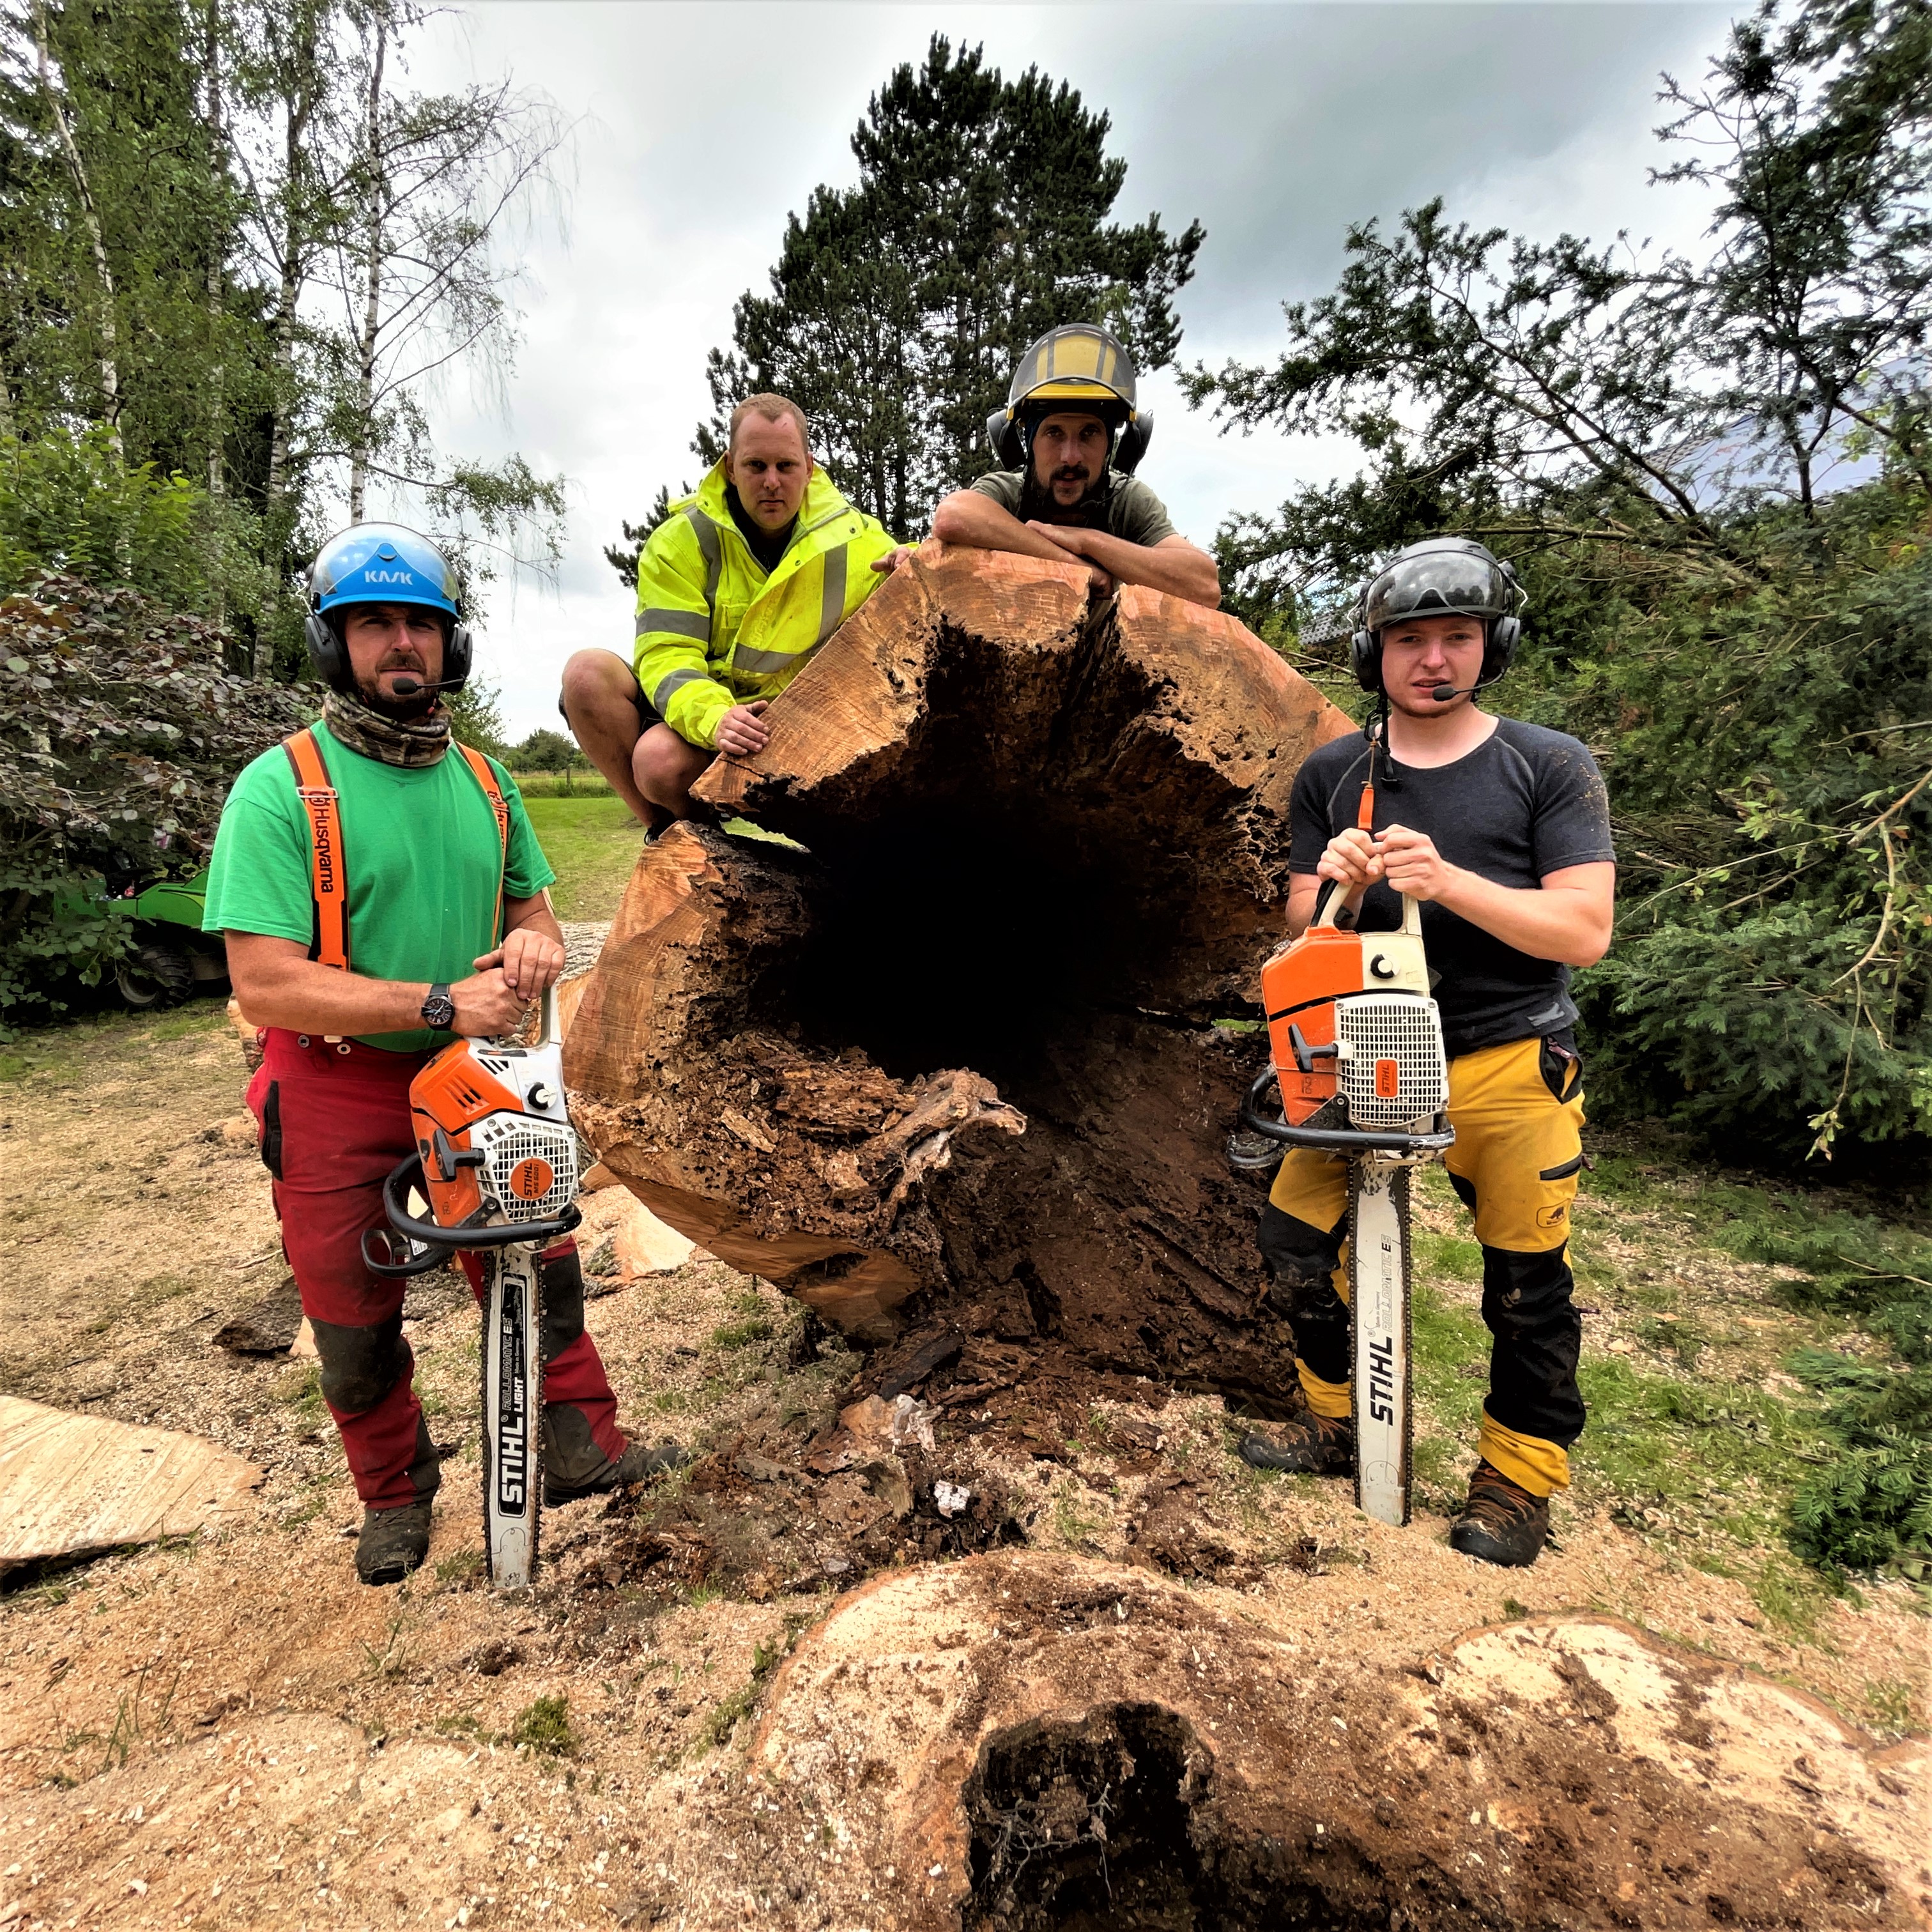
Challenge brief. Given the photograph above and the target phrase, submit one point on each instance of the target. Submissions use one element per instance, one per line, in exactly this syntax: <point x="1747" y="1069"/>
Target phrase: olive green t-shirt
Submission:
<point x="422" y="854"/>
<point x="1134" y="513"/>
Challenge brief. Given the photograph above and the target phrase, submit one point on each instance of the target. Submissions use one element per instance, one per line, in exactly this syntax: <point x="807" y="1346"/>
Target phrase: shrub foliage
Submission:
<point x="120" y="729"/>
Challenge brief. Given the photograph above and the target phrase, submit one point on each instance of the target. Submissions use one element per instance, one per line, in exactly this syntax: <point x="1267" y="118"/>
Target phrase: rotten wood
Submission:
<point x="954" y="1062"/>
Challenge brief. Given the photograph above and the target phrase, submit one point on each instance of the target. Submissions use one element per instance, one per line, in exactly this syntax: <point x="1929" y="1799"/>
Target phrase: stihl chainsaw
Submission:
<point x="496" y="1158"/>
<point x="1356" y="1045"/>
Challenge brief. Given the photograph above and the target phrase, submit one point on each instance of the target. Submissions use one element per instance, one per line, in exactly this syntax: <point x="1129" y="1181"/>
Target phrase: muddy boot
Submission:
<point x="574" y="1467"/>
<point x="1317" y="1445"/>
<point x="1501" y="1523"/>
<point x="393" y="1543"/>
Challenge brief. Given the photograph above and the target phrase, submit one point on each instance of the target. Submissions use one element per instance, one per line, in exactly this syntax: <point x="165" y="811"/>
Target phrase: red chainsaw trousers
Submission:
<point x="335" y="1121"/>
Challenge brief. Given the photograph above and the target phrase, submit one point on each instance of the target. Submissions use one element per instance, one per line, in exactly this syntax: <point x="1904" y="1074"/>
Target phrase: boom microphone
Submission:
<point x="408" y="686"/>
<point x="1443" y="693"/>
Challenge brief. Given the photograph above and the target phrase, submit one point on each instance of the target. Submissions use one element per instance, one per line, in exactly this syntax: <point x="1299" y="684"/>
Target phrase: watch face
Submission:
<point x="439" y="1013"/>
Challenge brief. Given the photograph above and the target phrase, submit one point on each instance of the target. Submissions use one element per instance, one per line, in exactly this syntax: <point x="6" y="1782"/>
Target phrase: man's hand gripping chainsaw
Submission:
<point x="1357" y="1044"/>
<point x="496" y="1158"/>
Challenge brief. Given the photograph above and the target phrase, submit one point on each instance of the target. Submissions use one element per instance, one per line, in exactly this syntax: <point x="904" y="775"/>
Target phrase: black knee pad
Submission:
<point x="1524" y="1292"/>
<point x="1300" y="1257"/>
<point x="570" y="1450"/>
<point x="359" y="1366"/>
<point x="562" y="1301"/>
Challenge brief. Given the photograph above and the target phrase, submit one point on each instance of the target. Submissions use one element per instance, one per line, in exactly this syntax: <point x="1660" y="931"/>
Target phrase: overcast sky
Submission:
<point x="701" y="127"/>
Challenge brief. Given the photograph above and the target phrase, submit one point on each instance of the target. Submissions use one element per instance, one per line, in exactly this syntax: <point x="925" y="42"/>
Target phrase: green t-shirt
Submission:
<point x="422" y="853"/>
<point x="1134" y="513"/>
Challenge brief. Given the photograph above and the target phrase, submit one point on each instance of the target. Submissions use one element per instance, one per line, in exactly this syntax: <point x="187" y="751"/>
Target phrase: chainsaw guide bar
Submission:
<point x="1381" y="1383"/>
<point x="512" y="1374"/>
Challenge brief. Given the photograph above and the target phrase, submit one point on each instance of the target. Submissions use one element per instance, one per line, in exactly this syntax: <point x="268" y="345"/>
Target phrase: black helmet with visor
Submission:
<point x="1442" y="577"/>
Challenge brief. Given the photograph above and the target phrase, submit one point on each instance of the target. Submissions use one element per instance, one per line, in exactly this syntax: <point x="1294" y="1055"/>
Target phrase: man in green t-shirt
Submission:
<point x="449" y="931"/>
<point x="1071" y="435"/>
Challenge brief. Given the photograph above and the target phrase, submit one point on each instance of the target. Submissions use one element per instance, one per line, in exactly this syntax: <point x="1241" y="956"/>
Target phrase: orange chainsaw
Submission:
<point x="1356" y="1042"/>
<point x="496" y="1158"/>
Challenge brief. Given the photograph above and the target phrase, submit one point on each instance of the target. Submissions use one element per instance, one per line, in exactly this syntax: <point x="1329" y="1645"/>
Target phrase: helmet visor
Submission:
<point x="1075" y="363"/>
<point x="1438" y="583"/>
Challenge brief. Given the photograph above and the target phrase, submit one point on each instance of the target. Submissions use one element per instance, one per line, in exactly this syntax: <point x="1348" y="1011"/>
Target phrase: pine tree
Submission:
<point x="898" y="307"/>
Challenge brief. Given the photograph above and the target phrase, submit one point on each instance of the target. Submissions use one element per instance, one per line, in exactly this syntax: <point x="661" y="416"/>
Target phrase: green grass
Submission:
<point x="584" y="784"/>
<point x="544" y="1727"/>
<point x="593" y="843"/>
<point x="741" y="1334"/>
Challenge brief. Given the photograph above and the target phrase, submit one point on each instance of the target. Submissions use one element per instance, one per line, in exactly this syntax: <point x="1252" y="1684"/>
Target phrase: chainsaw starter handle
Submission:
<point x="1336" y="1140"/>
<point x="409" y="1174"/>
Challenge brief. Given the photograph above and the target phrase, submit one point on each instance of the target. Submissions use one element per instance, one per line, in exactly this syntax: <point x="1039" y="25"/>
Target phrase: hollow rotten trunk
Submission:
<point x="952" y="1073"/>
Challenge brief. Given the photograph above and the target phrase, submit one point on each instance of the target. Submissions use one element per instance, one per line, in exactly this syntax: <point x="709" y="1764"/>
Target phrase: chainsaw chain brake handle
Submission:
<point x="427" y="1245"/>
<point x="1336" y="1140"/>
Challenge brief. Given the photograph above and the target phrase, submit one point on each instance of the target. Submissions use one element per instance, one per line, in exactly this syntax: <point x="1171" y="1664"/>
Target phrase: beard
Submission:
<point x="403" y="710"/>
<point x="1037" y="499"/>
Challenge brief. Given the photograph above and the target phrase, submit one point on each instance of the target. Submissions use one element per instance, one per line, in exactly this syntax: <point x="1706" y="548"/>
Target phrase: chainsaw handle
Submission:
<point x="1335" y="1140"/>
<point x="1327" y="908"/>
<point x="409" y="1174"/>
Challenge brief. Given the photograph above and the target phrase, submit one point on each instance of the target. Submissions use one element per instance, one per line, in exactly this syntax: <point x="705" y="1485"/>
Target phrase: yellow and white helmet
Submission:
<point x="1078" y="366"/>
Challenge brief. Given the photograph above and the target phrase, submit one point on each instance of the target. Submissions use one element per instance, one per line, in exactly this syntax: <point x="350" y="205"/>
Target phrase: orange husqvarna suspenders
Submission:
<point x="328" y="874"/>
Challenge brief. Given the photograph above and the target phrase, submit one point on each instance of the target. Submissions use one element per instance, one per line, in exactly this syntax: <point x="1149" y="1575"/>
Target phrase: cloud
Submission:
<point x="701" y="127"/>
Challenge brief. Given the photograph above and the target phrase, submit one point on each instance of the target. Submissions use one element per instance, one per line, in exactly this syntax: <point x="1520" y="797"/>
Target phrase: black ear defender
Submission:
<point x="326" y="651"/>
<point x="1003" y="432"/>
<point x="1136" y="435"/>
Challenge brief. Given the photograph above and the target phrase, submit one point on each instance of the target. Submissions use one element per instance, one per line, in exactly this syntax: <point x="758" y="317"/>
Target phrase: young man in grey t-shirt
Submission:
<point x="1502" y="831"/>
<point x="1069" y="494"/>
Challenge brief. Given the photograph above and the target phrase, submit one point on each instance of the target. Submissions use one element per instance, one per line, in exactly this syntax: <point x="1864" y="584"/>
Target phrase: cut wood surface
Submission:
<point x="71" y="1484"/>
<point x="957" y="1061"/>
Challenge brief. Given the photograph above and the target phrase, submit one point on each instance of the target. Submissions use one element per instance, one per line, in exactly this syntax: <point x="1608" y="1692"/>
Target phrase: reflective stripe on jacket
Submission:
<point x="713" y="630"/>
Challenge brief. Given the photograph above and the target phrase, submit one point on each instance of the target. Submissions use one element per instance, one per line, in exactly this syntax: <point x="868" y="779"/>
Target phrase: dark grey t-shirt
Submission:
<point x="1134" y="513"/>
<point x="1526" y="802"/>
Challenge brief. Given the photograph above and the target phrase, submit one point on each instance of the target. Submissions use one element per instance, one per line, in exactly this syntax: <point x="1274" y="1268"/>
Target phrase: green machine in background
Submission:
<point x="171" y="958"/>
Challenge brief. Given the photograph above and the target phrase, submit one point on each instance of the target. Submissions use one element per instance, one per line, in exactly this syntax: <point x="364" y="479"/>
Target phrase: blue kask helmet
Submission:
<point x="381" y="563"/>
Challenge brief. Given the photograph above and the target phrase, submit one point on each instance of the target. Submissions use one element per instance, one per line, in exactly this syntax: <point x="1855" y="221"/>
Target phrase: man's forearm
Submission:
<point x="1179" y="569"/>
<point x="305" y="996"/>
<point x="1567" y="926"/>
<point x="968" y="517"/>
<point x="532" y="915"/>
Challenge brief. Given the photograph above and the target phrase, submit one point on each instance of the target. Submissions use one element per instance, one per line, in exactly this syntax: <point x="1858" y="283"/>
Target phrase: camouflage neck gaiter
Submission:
<point x="412" y="742"/>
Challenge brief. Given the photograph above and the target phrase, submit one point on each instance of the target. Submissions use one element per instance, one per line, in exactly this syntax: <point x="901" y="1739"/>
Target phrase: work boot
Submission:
<point x="574" y="1467"/>
<point x="393" y="1543"/>
<point x="1317" y="1445"/>
<point x="1501" y="1522"/>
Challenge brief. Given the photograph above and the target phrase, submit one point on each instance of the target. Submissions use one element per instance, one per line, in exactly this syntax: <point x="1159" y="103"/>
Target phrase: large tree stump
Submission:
<point x="954" y="1067"/>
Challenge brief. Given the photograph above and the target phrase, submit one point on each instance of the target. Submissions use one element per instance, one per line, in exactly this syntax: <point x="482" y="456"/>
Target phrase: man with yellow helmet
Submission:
<point x="1069" y="438"/>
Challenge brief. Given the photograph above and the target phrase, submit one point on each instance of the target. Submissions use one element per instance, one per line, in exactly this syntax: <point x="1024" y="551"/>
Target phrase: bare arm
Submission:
<point x="1173" y="564"/>
<point x="969" y="518"/>
<point x="1567" y="917"/>
<point x="277" y="983"/>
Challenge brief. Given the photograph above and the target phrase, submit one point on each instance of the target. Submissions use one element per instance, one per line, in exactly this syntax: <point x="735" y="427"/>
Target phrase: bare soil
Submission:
<point x="771" y="1686"/>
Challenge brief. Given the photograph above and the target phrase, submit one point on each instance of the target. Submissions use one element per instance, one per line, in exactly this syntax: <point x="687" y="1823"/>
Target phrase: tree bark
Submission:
<point x="954" y="1070"/>
<point x="369" y="334"/>
<point x="110" y="338"/>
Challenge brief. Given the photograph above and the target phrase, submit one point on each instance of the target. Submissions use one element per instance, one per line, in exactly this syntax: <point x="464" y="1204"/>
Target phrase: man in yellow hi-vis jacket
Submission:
<point x="737" y="588"/>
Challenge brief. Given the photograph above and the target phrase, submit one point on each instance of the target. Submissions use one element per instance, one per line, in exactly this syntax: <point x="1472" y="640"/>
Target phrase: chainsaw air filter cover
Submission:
<point x="494" y="1135"/>
<point x="1357" y="1040"/>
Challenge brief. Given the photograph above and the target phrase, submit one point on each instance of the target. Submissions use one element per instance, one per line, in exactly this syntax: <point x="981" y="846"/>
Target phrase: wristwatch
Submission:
<point x="439" y="1010"/>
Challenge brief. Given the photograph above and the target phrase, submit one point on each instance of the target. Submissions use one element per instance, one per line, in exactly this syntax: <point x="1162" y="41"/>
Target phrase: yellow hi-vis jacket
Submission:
<point x="714" y="630"/>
